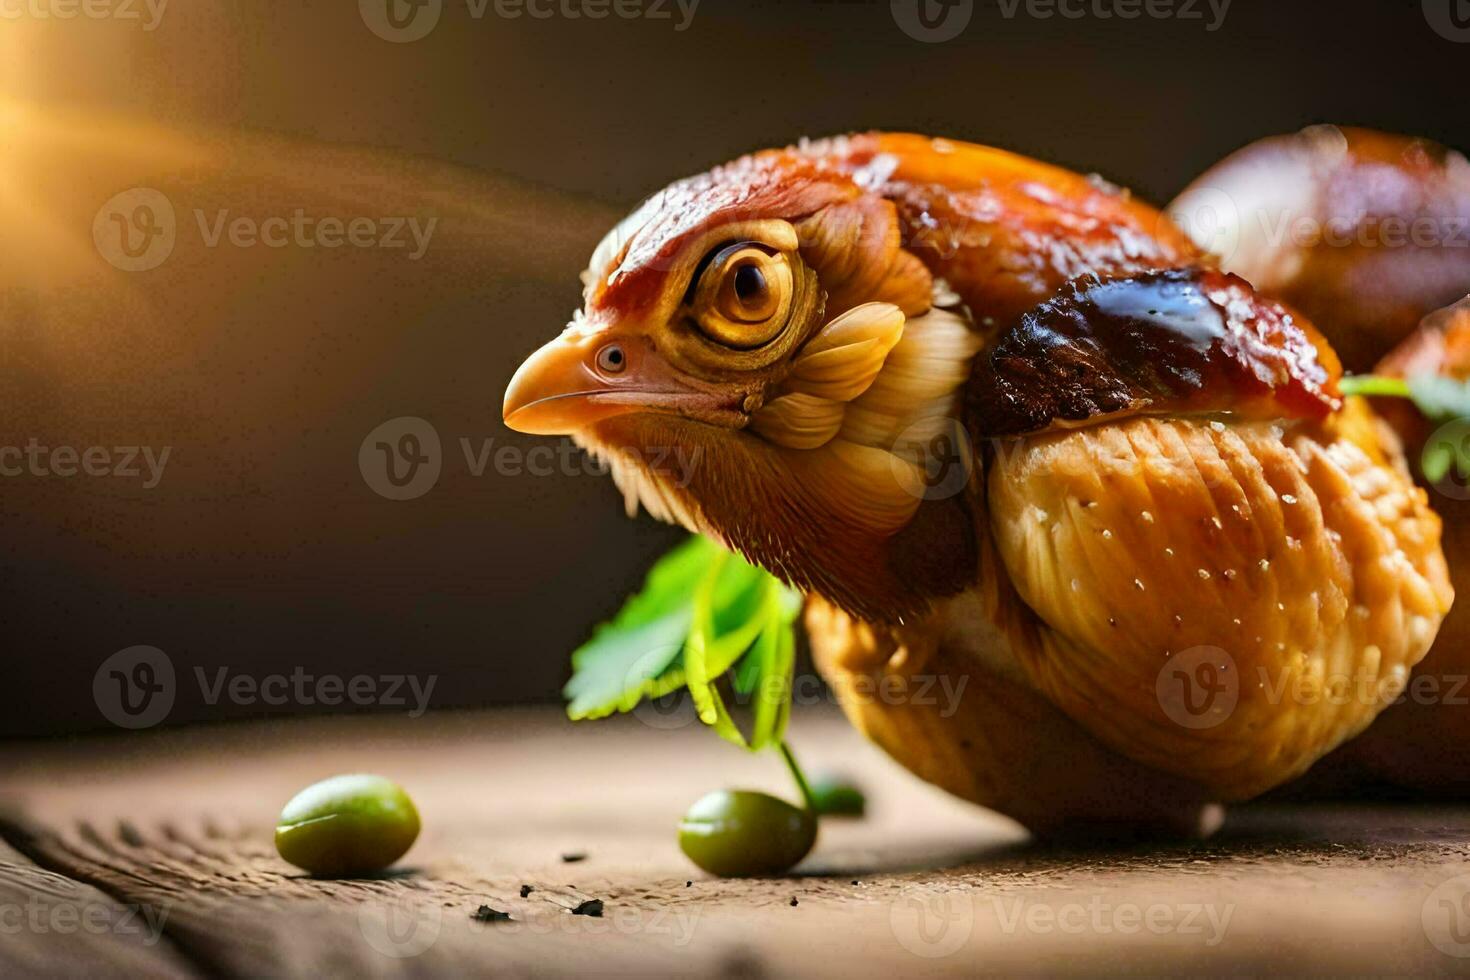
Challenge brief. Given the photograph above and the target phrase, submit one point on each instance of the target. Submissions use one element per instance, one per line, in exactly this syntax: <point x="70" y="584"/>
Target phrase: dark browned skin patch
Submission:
<point x="1183" y="341"/>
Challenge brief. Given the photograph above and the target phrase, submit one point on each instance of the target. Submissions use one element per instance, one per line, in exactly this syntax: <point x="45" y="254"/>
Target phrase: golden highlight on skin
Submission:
<point x="1163" y="492"/>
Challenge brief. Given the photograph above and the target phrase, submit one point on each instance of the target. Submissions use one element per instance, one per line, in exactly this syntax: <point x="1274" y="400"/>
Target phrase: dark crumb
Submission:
<point x="688" y="884"/>
<point x="856" y="882"/>
<point x="592" y="907"/>
<point x="572" y="857"/>
<point x="526" y="890"/>
<point x="794" y="902"/>
<point x="486" y="914"/>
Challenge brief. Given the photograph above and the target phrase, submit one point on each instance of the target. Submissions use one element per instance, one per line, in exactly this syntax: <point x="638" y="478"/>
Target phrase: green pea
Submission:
<point x="347" y="825"/>
<point x="740" y="833"/>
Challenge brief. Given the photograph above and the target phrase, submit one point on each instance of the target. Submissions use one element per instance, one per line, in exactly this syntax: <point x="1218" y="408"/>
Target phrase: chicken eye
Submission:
<point x="743" y="296"/>
<point x="750" y="284"/>
<point x="611" y="359"/>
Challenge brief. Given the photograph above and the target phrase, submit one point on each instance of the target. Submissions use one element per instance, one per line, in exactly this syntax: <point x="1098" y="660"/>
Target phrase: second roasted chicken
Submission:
<point x="1007" y="426"/>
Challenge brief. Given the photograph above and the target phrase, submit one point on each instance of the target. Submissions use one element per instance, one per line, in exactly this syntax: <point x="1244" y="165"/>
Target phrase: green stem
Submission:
<point x="1374" y="384"/>
<point x="800" y="777"/>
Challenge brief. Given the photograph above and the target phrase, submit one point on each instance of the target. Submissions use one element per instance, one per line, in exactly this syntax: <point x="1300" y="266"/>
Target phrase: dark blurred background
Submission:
<point x="264" y="548"/>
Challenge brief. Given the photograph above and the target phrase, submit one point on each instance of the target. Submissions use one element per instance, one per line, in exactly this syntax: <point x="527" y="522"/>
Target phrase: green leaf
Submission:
<point x="636" y="655"/>
<point x="703" y="615"/>
<point x="776" y="652"/>
<point x="762" y="645"/>
<point x="707" y="656"/>
<point x="1373" y="384"/>
<point x="746" y="677"/>
<point x="737" y="613"/>
<point x="616" y="670"/>
<point x="1440" y="398"/>
<point x="833" y="796"/>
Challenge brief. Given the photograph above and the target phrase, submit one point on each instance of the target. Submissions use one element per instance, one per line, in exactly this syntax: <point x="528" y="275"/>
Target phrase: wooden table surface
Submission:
<point x="151" y="854"/>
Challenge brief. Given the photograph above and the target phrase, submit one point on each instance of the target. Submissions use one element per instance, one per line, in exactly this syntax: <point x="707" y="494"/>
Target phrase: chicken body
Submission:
<point x="1368" y="233"/>
<point x="1015" y="438"/>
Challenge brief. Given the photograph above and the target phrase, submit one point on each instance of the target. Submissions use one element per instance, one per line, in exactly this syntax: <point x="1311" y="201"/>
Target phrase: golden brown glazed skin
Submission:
<point x="1293" y="544"/>
<point x="1364" y="232"/>
<point x="1125" y="512"/>
<point x="1369" y="233"/>
<point x="1006" y="231"/>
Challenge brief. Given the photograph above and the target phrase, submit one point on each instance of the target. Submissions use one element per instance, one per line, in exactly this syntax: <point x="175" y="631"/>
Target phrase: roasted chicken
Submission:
<point x="1368" y="234"/>
<point x="1006" y="425"/>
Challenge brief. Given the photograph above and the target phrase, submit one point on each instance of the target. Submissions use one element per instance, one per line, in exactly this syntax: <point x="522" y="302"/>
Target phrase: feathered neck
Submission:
<point x="830" y="486"/>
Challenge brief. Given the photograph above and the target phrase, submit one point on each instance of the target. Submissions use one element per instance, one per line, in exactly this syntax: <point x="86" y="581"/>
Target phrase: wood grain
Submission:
<point x="55" y="926"/>
<point x="179" y="821"/>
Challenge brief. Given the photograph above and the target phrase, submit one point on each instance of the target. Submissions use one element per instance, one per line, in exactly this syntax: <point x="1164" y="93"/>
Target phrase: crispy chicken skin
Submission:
<point x="1162" y="478"/>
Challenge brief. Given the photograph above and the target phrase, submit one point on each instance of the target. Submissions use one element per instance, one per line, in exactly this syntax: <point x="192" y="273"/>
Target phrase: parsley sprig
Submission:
<point x="1439" y="399"/>
<point x="708" y="621"/>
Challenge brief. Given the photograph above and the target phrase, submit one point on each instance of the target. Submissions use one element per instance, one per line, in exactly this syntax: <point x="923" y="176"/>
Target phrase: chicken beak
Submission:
<point x="549" y="393"/>
<point x="580" y="379"/>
